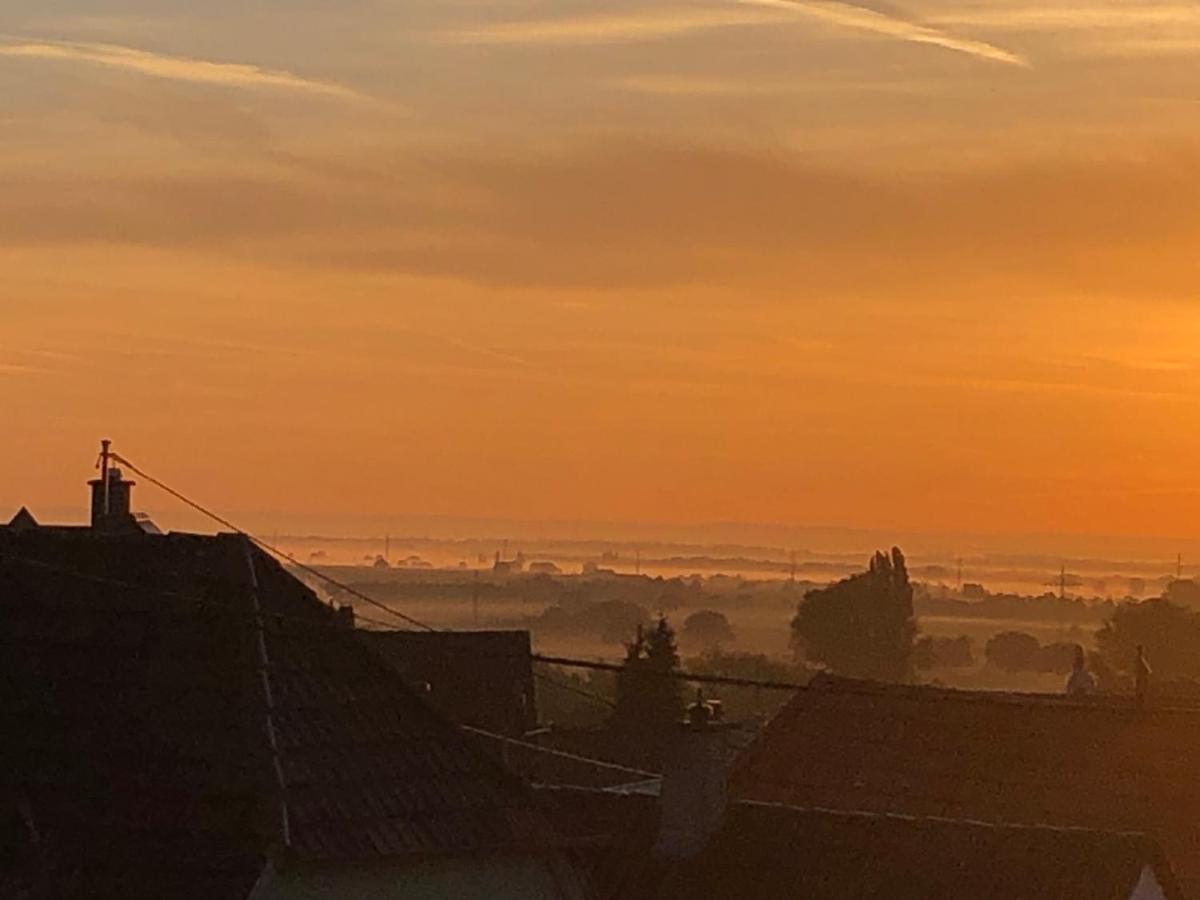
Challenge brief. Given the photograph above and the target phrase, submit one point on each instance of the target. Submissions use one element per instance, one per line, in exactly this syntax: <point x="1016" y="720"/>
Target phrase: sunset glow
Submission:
<point x="927" y="267"/>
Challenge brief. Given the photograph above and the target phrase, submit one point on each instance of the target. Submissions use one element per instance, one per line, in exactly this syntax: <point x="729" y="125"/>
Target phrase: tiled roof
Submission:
<point x="772" y="852"/>
<point x="136" y="715"/>
<point x="1102" y="763"/>
<point x="478" y="678"/>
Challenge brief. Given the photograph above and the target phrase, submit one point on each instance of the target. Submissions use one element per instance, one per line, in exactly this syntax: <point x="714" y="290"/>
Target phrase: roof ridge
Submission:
<point x="837" y="684"/>
<point x="948" y="820"/>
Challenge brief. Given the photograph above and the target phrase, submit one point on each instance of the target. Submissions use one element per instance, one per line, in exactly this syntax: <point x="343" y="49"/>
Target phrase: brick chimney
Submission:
<point x="694" y="792"/>
<point x="111" y="496"/>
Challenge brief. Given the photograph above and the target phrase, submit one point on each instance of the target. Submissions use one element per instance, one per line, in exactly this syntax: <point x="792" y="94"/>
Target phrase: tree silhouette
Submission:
<point x="863" y="625"/>
<point x="1169" y="633"/>
<point x="706" y="628"/>
<point x="647" y="699"/>
<point x="1014" y="651"/>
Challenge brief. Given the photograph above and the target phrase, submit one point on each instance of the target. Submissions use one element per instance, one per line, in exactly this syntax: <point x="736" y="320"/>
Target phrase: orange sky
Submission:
<point x="929" y="266"/>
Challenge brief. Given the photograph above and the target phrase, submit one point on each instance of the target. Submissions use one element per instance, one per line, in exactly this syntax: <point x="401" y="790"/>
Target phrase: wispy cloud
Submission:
<point x="686" y="86"/>
<point x="648" y="25"/>
<point x="19" y="369"/>
<point x="174" y="68"/>
<point x="665" y="23"/>
<point x="1068" y="15"/>
<point x="864" y="19"/>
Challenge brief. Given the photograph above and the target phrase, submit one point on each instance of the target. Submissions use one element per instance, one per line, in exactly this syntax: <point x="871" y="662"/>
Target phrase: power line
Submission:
<point x="562" y="661"/>
<point x="274" y="551"/>
<point x="549" y="751"/>
<point x="264" y="666"/>
<point x="730" y="680"/>
<point x="574" y="689"/>
<point x="175" y="595"/>
<point x="203" y="510"/>
<point x="863" y="741"/>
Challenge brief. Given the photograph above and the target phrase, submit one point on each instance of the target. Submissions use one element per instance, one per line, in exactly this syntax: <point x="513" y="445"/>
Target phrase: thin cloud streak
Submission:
<point x="174" y="68"/>
<point x="608" y="29"/>
<point x="683" y="86"/>
<point x="19" y="369"/>
<point x="864" y="19"/>
<point x="1109" y="16"/>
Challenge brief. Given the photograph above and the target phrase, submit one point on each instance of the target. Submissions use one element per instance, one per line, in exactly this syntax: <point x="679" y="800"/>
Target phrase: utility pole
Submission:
<point x="475" y="599"/>
<point x="960" y="575"/>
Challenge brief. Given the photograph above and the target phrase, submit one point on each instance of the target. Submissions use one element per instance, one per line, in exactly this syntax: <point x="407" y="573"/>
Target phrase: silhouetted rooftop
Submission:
<point x="1101" y="762"/>
<point x="770" y="852"/>
<point x="135" y="706"/>
<point x="478" y="678"/>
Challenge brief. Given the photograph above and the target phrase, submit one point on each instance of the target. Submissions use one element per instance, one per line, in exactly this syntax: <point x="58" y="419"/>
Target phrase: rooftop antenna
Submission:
<point x="105" y="455"/>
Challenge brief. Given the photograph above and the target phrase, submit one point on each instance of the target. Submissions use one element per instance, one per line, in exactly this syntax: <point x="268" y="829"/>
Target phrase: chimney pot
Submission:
<point x="111" y="500"/>
<point x="694" y="793"/>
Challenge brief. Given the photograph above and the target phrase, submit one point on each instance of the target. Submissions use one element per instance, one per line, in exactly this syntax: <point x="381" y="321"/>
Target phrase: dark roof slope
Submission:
<point x="140" y="719"/>
<point x="1100" y="763"/>
<point x="767" y="851"/>
<point x="23" y="520"/>
<point x="478" y="678"/>
<point x="771" y="852"/>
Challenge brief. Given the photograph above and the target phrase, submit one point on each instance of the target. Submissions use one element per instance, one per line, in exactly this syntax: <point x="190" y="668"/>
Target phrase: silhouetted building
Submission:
<point x="1100" y="762"/>
<point x="111" y="509"/>
<point x="478" y="678"/>
<point x="513" y="566"/>
<point x="22" y="521"/>
<point x="769" y="851"/>
<point x="692" y="842"/>
<point x="182" y="718"/>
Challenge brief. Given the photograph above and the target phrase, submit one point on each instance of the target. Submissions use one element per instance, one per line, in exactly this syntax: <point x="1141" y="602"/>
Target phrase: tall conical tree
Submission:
<point x="648" y="700"/>
<point x="662" y="659"/>
<point x="631" y="684"/>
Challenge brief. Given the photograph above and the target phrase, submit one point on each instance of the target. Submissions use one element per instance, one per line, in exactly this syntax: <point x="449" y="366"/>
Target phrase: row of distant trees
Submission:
<point x="863" y="626"/>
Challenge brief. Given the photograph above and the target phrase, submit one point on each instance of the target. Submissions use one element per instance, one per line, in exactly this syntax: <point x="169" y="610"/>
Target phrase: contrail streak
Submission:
<point x="871" y="20"/>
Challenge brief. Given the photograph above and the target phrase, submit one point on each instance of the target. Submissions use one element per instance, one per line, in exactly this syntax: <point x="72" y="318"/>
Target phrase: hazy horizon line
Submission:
<point x="708" y="533"/>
